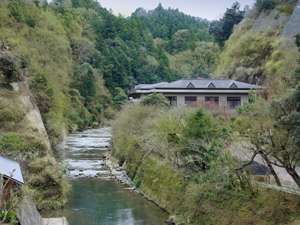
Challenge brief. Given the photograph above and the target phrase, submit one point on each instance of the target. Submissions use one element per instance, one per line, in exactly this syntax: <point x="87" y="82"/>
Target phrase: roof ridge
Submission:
<point x="9" y="159"/>
<point x="208" y="79"/>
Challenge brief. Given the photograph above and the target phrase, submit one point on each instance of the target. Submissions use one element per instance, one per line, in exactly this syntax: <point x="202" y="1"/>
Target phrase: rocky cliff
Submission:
<point x="19" y="112"/>
<point x="23" y="136"/>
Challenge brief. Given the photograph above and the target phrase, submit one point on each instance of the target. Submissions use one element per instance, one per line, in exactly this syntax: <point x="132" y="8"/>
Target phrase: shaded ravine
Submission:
<point x="96" y="198"/>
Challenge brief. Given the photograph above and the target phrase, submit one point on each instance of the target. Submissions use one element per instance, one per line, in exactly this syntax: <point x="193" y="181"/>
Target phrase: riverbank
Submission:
<point x="174" y="157"/>
<point x="119" y="174"/>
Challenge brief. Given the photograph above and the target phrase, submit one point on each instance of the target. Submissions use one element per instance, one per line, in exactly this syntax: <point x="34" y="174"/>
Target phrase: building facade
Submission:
<point x="209" y="93"/>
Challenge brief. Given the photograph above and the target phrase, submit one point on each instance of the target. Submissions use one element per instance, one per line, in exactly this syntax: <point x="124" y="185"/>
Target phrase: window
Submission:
<point x="212" y="100"/>
<point x="233" y="102"/>
<point x="190" y="100"/>
<point x="172" y="100"/>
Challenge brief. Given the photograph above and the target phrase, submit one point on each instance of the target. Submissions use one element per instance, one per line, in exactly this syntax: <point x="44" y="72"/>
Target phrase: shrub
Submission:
<point x="42" y="92"/>
<point x="48" y="183"/>
<point x="155" y="99"/>
<point x="16" y="144"/>
<point x="10" y="68"/>
<point x="120" y="97"/>
<point x="245" y="56"/>
<point x="8" y="217"/>
<point x="23" y="13"/>
<point x="10" y="111"/>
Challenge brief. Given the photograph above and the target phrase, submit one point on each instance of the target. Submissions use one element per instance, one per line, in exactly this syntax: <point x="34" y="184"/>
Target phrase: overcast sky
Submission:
<point x="210" y="9"/>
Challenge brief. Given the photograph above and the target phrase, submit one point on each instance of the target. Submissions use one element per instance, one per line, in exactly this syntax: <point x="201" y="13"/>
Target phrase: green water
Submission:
<point x="99" y="202"/>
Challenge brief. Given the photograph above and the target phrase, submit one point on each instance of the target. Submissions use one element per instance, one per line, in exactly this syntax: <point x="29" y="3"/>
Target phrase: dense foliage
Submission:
<point x="164" y="23"/>
<point x="175" y="157"/>
<point x="185" y="40"/>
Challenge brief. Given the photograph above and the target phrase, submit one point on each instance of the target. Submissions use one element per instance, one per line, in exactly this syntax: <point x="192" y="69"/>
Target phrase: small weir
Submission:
<point x="96" y="197"/>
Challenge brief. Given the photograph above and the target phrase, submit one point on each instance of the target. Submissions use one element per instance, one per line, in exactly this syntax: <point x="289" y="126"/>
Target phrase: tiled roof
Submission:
<point x="11" y="169"/>
<point x="198" y="84"/>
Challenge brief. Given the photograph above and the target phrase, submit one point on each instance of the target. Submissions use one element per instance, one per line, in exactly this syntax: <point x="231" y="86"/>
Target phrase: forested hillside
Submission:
<point x="186" y="41"/>
<point x="72" y="62"/>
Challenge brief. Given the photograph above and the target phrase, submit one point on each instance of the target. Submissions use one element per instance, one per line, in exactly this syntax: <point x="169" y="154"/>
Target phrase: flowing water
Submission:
<point x="96" y="198"/>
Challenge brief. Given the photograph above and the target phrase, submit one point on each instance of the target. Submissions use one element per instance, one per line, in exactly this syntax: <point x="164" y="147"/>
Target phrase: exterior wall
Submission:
<point x="201" y="99"/>
<point x="8" y="187"/>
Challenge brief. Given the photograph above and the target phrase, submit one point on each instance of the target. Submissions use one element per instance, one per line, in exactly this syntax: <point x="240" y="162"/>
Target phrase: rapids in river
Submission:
<point x="96" y="197"/>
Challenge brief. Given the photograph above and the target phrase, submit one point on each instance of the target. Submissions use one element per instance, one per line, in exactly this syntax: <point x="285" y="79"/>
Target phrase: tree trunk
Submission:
<point x="271" y="168"/>
<point x="293" y="173"/>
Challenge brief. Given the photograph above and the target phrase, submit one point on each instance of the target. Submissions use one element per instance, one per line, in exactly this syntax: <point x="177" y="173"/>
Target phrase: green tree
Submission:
<point x="155" y="99"/>
<point x="85" y="81"/>
<point x="263" y="5"/>
<point x="222" y="29"/>
<point x="201" y="141"/>
<point x="120" y="97"/>
<point x="273" y="130"/>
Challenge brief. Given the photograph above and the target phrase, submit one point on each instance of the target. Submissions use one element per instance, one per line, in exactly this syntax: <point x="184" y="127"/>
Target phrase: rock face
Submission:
<point x="292" y="28"/>
<point x="33" y="120"/>
<point x="266" y="21"/>
<point x="14" y="91"/>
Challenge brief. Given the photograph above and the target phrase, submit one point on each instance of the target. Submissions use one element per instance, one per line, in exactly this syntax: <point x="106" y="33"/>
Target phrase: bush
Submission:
<point x="120" y="97"/>
<point x="48" y="184"/>
<point x="10" y="111"/>
<point x="245" y="57"/>
<point x="15" y="144"/>
<point x="24" y="13"/>
<point x="42" y="92"/>
<point x="155" y="99"/>
<point x="9" y="217"/>
<point x="10" y="68"/>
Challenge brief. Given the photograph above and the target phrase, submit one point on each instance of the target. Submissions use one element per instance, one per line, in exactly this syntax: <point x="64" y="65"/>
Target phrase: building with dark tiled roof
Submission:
<point x="211" y="93"/>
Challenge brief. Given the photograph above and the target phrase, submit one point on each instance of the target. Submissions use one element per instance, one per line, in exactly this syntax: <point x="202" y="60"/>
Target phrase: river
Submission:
<point x="96" y="198"/>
